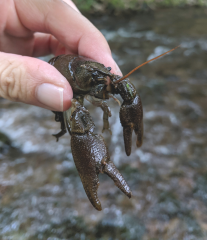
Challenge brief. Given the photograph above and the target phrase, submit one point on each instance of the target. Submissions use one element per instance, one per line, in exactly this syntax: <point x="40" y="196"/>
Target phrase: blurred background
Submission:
<point x="41" y="194"/>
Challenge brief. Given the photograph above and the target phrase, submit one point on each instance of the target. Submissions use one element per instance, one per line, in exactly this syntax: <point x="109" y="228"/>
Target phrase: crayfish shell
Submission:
<point x="91" y="157"/>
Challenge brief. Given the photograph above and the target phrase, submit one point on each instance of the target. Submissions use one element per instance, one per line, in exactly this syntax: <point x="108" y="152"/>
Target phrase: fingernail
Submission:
<point x="50" y="95"/>
<point x="118" y="71"/>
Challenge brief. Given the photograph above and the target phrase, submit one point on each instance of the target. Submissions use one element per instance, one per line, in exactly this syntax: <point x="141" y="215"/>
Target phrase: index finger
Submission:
<point x="71" y="28"/>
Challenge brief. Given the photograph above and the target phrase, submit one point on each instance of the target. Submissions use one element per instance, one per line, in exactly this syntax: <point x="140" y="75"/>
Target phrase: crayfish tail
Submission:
<point x="111" y="170"/>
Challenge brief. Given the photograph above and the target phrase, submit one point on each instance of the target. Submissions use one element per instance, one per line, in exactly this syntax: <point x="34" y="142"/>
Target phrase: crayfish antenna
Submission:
<point x="128" y="74"/>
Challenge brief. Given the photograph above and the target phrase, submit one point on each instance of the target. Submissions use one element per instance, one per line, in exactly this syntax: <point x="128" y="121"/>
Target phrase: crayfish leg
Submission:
<point x="105" y="108"/>
<point x="106" y="125"/>
<point x="59" y="118"/>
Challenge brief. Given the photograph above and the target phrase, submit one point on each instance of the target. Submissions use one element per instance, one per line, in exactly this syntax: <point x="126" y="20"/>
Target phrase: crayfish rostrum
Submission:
<point x="95" y="82"/>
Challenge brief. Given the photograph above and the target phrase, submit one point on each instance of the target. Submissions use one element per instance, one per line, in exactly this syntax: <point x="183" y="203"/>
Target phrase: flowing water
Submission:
<point x="41" y="194"/>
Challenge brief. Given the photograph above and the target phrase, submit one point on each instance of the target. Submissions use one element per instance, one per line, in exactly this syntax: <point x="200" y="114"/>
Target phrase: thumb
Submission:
<point x="32" y="81"/>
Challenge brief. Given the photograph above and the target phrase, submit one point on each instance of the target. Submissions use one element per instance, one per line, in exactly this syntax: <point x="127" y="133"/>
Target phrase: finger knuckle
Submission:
<point x="11" y="75"/>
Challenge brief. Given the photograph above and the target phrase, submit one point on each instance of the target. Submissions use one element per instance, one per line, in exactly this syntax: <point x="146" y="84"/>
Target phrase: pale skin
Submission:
<point x="32" y="28"/>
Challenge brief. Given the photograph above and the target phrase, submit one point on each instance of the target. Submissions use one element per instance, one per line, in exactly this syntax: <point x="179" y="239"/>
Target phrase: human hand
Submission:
<point x="32" y="28"/>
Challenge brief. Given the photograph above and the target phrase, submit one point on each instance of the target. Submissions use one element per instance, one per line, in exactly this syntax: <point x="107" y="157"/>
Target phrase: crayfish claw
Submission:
<point x="139" y="133"/>
<point x="131" y="117"/>
<point x="91" y="156"/>
<point x="127" y="131"/>
<point x="111" y="170"/>
<point x="87" y="161"/>
<point x="90" y="184"/>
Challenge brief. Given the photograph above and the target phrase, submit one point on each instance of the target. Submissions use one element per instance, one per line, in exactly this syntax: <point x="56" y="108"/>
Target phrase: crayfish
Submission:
<point x="95" y="82"/>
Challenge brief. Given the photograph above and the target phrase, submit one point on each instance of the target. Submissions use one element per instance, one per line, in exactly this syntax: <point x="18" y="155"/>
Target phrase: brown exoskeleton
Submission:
<point x="95" y="82"/>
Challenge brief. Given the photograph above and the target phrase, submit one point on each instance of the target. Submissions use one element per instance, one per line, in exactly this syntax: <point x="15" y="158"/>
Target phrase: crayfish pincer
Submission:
<point x="90" y="154"/>
<point x="94" y="82"/>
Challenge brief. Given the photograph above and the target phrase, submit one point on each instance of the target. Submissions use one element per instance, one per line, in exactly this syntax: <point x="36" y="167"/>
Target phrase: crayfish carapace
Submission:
<point x="95" y="82"/>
